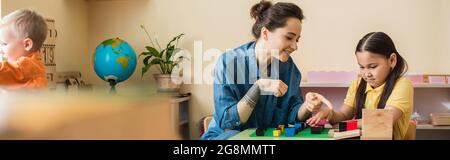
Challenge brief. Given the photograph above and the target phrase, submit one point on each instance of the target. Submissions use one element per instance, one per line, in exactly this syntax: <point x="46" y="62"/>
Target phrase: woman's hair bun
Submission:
<point x="256" y="12"/>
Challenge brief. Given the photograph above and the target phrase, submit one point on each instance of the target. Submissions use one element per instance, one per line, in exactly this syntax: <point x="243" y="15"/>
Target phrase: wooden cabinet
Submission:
<point x="96" y="117"/>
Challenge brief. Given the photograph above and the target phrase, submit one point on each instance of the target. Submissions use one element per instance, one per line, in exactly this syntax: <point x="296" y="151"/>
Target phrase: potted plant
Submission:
<point x="162" y="59"/>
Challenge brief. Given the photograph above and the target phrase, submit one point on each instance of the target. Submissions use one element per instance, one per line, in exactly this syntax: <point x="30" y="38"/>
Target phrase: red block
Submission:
<point x="322" y="122"/>
<point x="352" y="125"/>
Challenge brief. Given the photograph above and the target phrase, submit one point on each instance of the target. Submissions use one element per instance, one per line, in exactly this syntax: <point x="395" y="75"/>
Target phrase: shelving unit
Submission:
<point x="431" y="127"/>
<point x="180" y="108"/>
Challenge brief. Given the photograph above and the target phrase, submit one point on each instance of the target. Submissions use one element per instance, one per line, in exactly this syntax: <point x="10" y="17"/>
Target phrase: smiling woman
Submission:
<point x="257" y="84"/>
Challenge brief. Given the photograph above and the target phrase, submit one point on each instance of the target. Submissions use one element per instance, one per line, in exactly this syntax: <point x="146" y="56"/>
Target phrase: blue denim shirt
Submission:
<point x="235" y="72"/>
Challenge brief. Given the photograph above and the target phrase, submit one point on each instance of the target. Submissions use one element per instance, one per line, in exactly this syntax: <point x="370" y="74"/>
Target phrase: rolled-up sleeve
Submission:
<point x="225" y="105"/>
<point x="296" y="99"/>
<point x="296" y="102"/>
<point x="225" y="98"/>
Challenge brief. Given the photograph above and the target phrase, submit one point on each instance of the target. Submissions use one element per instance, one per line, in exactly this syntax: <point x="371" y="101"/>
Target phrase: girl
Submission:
<point x="381" y="85"/>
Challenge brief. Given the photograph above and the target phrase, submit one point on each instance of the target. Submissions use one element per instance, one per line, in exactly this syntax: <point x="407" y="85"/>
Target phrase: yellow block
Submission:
<point x="281" y="127"/>
<point x="276" y="133"/>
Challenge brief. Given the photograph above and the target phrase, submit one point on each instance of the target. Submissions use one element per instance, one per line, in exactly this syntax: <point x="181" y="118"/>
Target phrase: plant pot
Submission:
<point x="166" y="82"/>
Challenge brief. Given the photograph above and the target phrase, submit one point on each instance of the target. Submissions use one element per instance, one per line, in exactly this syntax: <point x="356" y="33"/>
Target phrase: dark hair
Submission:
<point x="379" y="43"/>
<point x="273" y="16"/>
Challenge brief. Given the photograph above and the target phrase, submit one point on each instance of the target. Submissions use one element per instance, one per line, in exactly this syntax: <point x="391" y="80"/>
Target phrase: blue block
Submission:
<point x="298" y="126"/>
<point x="290" y="132"/>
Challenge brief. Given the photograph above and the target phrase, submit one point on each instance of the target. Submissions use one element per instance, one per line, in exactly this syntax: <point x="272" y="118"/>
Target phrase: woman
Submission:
<point x="257" y="84"/>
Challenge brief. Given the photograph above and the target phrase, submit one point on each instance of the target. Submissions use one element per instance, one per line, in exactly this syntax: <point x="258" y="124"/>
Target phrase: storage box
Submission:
<point x="416" y="78"/>
<point x="332" y="76"/>
<point x="440" y="119"/>
<point x="436" y="79"/>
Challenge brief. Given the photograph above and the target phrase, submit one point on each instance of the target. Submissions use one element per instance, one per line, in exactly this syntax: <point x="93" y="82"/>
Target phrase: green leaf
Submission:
<point x="153" y="51"/>
<point x="146" y="59"/>
<point x="156" y="61"/>
<point x="174" y="39"/>
<point x="169" y="52"/>
<point x="144" y="54"/>
<point x="145" y="69"/>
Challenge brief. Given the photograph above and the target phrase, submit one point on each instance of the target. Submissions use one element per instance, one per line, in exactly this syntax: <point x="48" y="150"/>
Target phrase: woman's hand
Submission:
<point x="277" y="87"/>
<point x="313" y="101"/>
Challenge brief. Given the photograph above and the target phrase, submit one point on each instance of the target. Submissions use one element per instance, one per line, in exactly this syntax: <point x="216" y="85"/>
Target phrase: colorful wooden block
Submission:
<point x="352" y="125"/>
<point x="281" y="127"/>
<point x="332" y="131"/>
<point x="322" y="122"/>
<point x="298" y="125"/>
<point x="342" y="126"/>
<point x="289" y="132"/>
<point x="260" y="131"/>
<point x="316" y="130"/>
<point x="347" y="134"/>
<point x="276" y="133"/>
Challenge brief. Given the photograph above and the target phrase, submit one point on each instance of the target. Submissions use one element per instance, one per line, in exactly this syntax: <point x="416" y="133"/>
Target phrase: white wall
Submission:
<point x="333" y="28"/>
<point x="445" y="60"/>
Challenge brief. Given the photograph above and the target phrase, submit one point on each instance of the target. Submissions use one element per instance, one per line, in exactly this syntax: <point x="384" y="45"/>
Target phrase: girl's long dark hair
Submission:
<point x="379" y="43"/>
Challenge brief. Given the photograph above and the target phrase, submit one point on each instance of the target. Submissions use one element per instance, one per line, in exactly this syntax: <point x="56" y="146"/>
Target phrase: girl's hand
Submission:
<point x="322" y="114"/>
<point x="313" y="101"/>
<point x="277" y="87"/>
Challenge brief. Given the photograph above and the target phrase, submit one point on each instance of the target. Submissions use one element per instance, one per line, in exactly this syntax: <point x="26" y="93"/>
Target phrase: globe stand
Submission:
<point x="112" y="83"/>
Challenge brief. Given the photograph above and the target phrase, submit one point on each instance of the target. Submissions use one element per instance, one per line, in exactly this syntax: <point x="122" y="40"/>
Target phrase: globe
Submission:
<point x="114" y="61"/>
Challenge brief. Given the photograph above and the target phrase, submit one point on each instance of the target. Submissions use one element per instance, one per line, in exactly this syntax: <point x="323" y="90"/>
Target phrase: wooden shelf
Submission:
<point x="180" y="99"/>
<point x="335" y="85"/>
<point x="346" y="85"/>
<point x="183" y="122"/>
<point x="431" y="127"/>
<point x="431" y="85"/>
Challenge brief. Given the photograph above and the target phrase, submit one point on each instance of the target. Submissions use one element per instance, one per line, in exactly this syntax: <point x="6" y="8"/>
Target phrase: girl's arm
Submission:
<point x="397" y="113"/>
<point x="346" y="112"/>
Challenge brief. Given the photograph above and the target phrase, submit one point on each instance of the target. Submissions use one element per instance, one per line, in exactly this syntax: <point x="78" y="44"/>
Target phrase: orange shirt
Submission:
<point x="28" y="73"/>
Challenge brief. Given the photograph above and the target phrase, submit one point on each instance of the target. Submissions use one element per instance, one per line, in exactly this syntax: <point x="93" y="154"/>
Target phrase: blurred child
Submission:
<point x="381" y="85"/>
<point x="22" y="34"/>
